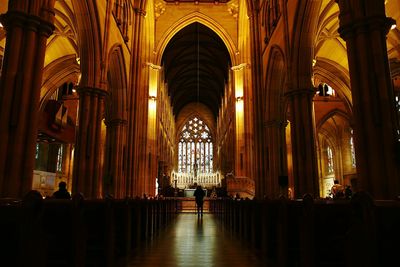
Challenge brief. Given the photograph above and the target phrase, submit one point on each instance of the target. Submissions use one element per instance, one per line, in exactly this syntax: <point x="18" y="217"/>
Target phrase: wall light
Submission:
<point x="393" y="26"/>
<point x="152" y="97"/>
<point x="314" y="61"/>
<point x="239" y="98"/>
<point x="1" y="25"/>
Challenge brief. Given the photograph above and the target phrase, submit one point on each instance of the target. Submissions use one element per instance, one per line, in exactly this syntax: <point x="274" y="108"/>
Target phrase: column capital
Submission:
<point x="91" y="90"/>
<point x="360" y="16"/>
<point x="240" y="66"/>
<point x="153" y="66"/>
<point x="349" y="28"/>
<point x="20" y="19"/>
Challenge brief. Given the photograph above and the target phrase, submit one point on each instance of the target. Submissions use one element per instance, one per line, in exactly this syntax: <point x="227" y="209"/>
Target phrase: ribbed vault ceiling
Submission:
<point x="196" y="63"/>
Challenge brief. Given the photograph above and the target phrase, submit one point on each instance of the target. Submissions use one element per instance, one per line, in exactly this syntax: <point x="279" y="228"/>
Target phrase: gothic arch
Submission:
<point x="273" y="157"/>
<point x="274" y="84"/>
<point x="90" y="42"/>
<point x="117" y="85"/>
<point x="332" y="73"/>
<point x="335" y="112"/>
<point x="192" y="110"/>
<point x="304" y="29"/>
<point x="114" y="180"/>
<point x="62" y="70"/>
<point x="200" y="18"/>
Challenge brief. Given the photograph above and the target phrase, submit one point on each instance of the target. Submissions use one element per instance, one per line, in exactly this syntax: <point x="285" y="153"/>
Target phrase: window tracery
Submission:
<point x="195" y="148"/>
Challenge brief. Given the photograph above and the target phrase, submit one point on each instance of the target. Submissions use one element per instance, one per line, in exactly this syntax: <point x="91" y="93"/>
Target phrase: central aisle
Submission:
<point x="193" y="242"/>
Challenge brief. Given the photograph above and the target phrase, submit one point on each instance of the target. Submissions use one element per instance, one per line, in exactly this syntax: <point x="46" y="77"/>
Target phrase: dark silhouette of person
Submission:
<point x="337" y="190"/>
<point x="199" y="195"/>
<point x="62" y="192"/>
<point x="348" y="192"/>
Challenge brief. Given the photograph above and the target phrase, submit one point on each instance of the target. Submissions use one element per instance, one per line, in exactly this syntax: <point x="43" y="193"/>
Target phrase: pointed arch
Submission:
<point x="114" y="180"/>
<point x="304" y="30"/>
<point x="89" y="42"/>
<point x="64" y="69"/>
<point x="274" y="83"/>
<point x="117" y="85"/>
<point x="200" y="18"/>
<point x="335" y="112"/>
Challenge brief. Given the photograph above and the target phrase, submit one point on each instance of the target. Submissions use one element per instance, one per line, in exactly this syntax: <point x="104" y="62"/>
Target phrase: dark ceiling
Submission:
<point x="196" y="64"/>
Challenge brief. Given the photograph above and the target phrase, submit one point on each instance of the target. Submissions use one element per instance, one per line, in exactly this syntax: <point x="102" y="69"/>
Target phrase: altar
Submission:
<point x="187" y="192"/>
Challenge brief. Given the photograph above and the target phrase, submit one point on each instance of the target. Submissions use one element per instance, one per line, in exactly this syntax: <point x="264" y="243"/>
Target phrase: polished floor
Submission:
<point x="193" y="242"/>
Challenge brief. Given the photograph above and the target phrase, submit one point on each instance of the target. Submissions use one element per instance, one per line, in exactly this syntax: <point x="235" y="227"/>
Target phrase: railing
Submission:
<point x="183" y="180"/>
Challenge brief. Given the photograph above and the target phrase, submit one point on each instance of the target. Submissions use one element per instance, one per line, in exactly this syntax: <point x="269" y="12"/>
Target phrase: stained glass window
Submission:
<point x="37" y="151"/>
<point x="353" y="154"/>
<point x="329" y="159"/>
<point x="59" y="158"/>
<point x="195" y="147"/>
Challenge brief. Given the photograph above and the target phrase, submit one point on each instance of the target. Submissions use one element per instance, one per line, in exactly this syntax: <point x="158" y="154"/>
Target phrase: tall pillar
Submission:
<point x="275" y="162"/>
<point x="364" y="26"/>
<point x="137" y="99"/>
<point x="258" y="102"/>
<point x="28" y="25"/>
<point x="151" y="174"/>
<point x="87" y="161"/>
<point x="240" y="166"/>
<point x="114" y="179"/>
<point x="303" y="142"/>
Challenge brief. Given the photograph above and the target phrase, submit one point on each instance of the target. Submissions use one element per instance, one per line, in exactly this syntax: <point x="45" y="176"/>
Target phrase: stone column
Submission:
<point x="240" y="148"/>
<point x="303" y="142"/>
<point x="364" y="26"/>
<point x="137" y="101"/>
<point x="87" y="160"/>
<point x="275" y="161"/>
<point x="28" y="25"/>
<point x="114" y="178"/>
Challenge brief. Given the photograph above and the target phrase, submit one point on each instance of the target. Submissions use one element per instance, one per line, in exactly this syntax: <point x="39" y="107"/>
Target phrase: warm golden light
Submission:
<point x="152" y="107"/>
<point x="1" y="25"/>
<point x="393" y="26"/>
<point x="314" y="61"/>
<point x="153" y="79"/>
<point x="239" y="110"/>
<point x="238" y="76"/>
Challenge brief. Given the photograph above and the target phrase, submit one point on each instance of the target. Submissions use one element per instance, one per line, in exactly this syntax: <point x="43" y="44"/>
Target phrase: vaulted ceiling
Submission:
<point x="196" y="64"/>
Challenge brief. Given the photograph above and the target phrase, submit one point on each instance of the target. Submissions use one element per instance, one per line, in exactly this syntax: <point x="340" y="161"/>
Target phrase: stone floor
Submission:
<point x="190" y="242"/>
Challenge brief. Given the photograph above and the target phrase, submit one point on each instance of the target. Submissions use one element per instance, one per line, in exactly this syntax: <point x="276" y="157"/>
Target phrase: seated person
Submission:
<point x="62" y="192"/>
<point x="337" y="190"/>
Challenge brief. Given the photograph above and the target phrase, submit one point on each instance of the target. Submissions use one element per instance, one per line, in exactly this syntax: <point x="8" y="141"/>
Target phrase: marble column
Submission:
<point x="364" y="26"/>
<point x="28" y="25"/>
<point x="87" y="157"/>
<point x="303" y="142"/>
